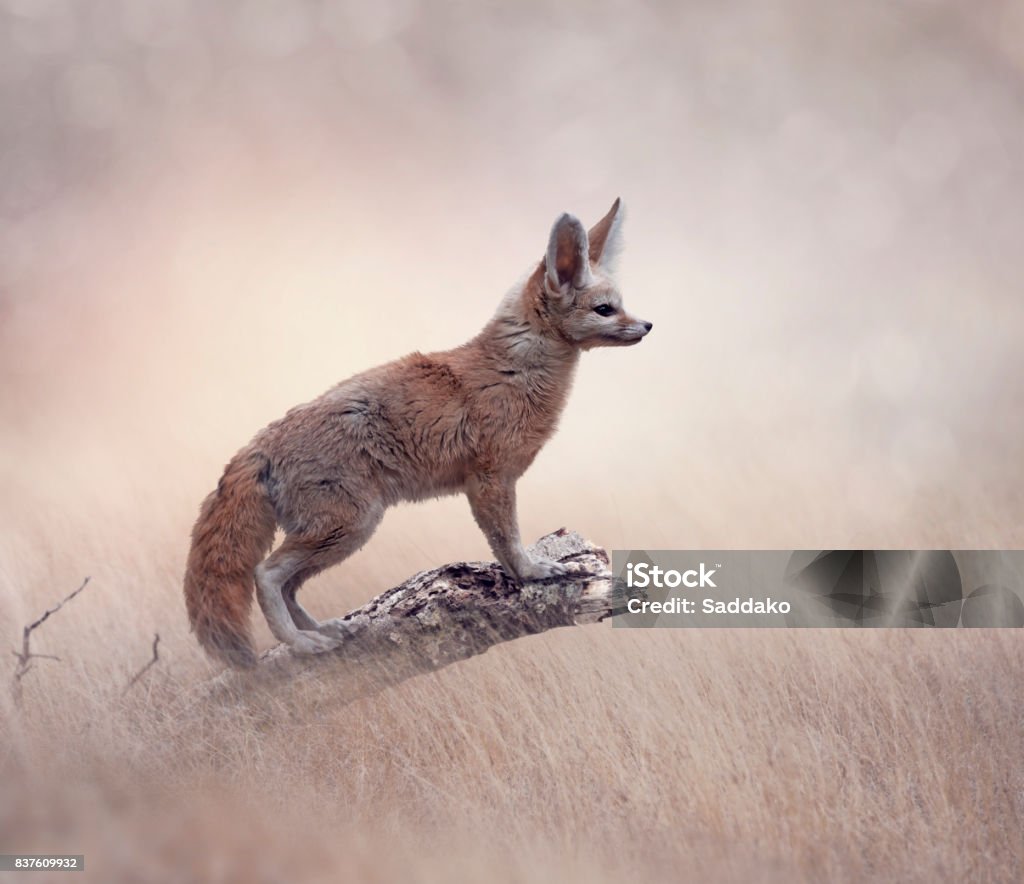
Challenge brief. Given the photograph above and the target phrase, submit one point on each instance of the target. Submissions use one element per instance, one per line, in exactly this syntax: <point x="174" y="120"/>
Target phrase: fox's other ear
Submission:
<point x="606" y="237"/>
<point x="567" y="261"/>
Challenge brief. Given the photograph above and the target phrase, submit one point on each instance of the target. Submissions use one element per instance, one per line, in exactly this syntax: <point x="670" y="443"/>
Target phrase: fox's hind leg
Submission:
<point x="300" y="616"/>
<point x="296" y="560"/>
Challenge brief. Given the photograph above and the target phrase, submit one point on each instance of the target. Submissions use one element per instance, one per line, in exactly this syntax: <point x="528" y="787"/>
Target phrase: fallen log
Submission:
<point x="442" y="616"/>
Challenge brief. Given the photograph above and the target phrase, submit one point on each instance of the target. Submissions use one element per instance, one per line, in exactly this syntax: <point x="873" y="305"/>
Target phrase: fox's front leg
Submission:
<point x="493" y="501"/>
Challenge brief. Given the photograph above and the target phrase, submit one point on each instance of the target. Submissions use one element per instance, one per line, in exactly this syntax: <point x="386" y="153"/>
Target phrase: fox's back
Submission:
<point x="412" y="428"/>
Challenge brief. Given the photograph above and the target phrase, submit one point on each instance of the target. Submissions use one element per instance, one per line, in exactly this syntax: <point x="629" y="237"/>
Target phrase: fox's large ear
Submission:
<point x="566" y="262"/>
<point x="606" y="237"/>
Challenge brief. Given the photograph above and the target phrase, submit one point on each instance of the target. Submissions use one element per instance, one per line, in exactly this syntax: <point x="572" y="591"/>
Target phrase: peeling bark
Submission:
<point x="447" y="614"/>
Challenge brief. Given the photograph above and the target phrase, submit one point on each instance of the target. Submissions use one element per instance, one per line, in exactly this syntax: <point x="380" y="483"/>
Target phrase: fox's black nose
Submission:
<point x="648" y="326"/>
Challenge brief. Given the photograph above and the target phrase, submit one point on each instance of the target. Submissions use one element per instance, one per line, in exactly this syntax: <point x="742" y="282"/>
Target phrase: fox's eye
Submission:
<point x="604" y="309"/>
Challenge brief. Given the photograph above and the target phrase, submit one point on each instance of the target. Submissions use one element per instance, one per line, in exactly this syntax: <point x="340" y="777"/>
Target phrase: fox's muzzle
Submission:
<point x="636" y="331"/>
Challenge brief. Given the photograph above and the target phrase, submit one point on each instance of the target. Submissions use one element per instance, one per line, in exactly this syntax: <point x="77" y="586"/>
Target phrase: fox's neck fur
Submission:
<point x="526" y="348"/>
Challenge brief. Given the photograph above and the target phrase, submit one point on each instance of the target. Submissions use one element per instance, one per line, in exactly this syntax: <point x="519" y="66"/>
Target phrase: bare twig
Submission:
<point x="148" y="666"/>
<point x="25" y="655"/>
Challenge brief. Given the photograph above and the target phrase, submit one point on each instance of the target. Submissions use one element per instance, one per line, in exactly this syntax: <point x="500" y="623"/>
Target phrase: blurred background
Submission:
<point x="210" y="212"/>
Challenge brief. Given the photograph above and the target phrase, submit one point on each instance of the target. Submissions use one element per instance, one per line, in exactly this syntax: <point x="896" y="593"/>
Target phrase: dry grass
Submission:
<point x="593" y="754"/>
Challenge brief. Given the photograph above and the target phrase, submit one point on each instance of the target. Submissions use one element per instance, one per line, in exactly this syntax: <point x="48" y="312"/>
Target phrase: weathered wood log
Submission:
<point x="444" y="615"/>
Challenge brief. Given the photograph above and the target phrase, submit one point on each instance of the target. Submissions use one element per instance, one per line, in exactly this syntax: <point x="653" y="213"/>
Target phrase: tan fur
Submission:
<point x="234" y="531"/>
<point x="466" y="420"/>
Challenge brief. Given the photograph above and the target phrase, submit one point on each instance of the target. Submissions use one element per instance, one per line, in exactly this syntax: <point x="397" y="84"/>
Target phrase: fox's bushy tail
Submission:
<point x="235" y="530"/>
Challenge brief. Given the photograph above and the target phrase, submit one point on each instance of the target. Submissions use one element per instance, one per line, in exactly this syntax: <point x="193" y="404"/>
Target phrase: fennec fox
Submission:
<point x="467" y="420"/>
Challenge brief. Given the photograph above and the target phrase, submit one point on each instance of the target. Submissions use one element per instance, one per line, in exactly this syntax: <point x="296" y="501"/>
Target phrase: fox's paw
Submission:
<point x="308" y="642"/>
<point x="542" y="569"/>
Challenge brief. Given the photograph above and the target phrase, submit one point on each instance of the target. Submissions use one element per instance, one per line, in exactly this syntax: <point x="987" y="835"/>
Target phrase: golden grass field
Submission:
<point x="581" y="754"/>
<point x="212" y="212"/>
